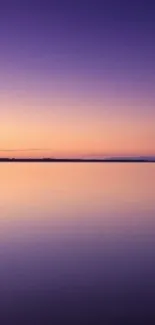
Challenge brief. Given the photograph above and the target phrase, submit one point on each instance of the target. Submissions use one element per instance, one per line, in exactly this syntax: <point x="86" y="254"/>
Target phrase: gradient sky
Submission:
<point x="77" y="78"/>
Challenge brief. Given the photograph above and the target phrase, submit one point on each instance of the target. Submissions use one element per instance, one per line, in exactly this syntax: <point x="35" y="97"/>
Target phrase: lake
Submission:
<point x="77" y="243"/>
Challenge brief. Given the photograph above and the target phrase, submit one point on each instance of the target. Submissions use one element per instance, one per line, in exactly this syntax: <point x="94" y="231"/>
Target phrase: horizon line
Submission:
<point x="79" y="157"/>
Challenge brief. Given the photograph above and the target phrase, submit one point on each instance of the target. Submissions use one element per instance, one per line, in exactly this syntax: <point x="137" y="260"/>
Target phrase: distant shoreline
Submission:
<point x="35" y="160"/>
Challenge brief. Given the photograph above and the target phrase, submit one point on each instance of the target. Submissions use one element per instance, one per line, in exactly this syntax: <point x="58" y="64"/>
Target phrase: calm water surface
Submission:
<point x="77" y="244"/>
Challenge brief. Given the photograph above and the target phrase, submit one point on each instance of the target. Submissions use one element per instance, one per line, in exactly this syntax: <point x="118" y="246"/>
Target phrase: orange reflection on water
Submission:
<point x="36" y="198"/>
<point x="86" y="184"/>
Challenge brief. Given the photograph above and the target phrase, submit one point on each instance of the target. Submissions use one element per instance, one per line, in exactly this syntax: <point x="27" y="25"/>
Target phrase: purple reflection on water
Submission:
<point x="94" y="266"/>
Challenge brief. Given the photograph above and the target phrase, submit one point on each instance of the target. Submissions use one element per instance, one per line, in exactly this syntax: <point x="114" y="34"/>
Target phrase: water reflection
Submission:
<point x="77" y="243"/>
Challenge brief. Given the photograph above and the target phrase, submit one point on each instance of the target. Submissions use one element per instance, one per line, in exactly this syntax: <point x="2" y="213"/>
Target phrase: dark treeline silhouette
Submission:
<point x="80" y="160"/>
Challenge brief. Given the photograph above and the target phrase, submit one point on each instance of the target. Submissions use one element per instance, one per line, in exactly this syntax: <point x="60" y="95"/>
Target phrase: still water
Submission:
<point x="77" y="244"/>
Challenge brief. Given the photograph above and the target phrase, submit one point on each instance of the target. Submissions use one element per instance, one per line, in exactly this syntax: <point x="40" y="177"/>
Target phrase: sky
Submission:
<point x="77" y="78"/>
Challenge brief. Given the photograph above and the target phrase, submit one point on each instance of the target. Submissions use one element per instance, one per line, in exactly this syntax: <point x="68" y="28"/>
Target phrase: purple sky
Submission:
<point x="64" y="65"/>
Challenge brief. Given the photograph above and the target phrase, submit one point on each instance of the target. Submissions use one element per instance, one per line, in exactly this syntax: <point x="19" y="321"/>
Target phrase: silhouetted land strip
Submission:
<point x="78" y="160"/>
